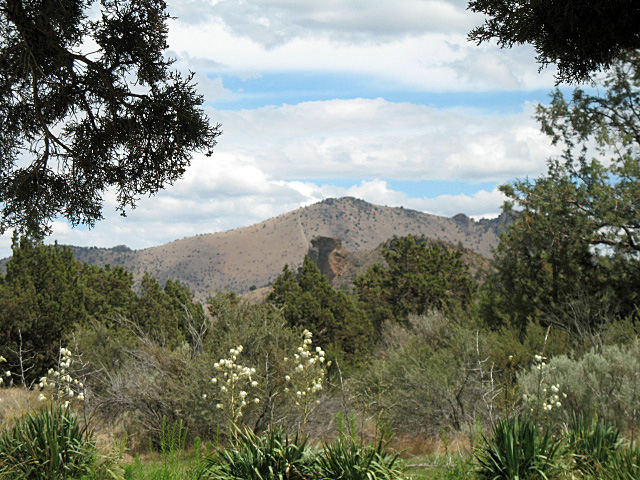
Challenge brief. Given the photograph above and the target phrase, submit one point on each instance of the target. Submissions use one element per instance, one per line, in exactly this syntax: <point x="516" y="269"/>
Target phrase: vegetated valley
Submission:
<point x="346" y="340"/>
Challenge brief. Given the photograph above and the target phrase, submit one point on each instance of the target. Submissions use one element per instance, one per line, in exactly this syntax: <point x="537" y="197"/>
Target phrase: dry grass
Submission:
<point x="15" y="402"/>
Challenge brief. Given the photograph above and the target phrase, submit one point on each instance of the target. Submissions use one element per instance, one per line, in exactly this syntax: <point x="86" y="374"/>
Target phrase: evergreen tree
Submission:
<point x="572" y="257"/>
<point x="41" y="301"/>
<point x="420" y="276"/>
<point x="334" y="317"/>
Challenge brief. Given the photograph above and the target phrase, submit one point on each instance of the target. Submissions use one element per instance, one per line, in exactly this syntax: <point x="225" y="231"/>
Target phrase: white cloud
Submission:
<point x="267" y="159"/>
<point x="272" y="22"/>
<point x="416" y="44"/>
<point x="377" y="138"/>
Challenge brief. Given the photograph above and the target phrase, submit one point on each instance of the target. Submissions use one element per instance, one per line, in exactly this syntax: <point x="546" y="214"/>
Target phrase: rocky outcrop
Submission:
<point x="329" y="255"/>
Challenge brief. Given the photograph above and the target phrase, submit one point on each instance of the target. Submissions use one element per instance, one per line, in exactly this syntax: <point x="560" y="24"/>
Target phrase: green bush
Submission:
<point x="272" y="456"/>
<point x="49" y="445"/>
<point x="517" y="450"/>
<point x="347" y="459"/>
<point x="603" y="382"/>
<point x="592" y="443"/>
<point x="624" y="464"/>
<point x="426" y="376"/>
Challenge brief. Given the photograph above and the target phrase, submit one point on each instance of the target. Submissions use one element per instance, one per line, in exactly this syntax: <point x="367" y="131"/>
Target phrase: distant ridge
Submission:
<point x="240" y="259"/>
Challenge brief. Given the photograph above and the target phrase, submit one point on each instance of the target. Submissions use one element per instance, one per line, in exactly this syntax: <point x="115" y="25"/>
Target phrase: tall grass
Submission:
<point x="49" y="445"/>
<point x="517" y="450"/>
<point x="272" y="456"/>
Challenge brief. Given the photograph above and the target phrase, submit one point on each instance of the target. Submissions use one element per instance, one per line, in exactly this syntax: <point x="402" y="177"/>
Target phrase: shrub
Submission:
<point x="271" y="456"/>
<point x="516" y="450"/>
<point x="604" y="383"/>
<point x="427" y="376"/>
<point x="47" y="445"/>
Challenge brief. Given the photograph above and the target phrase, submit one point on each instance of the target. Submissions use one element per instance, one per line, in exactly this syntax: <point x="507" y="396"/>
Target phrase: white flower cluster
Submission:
<point x="547" y="396"/>
<point x="64" y="388"/>
<point x="232" y="385"/>
<point x="6" y="373"/>
<point x="307" y="374"/>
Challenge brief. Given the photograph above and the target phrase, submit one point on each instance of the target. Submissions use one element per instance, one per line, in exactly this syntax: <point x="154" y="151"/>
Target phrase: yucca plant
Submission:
<point x="516" y="450"/>
<point x="592" y="443"/>
<point x="624" y="463"/>
<point x="47" y="445"/>
<point x="272" y="456"/>
<point x="348" y="459"/>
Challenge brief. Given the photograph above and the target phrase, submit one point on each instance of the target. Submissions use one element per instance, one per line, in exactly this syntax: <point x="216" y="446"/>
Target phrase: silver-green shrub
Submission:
<point x="431" y="375"/>
<point x="603" y="382"/>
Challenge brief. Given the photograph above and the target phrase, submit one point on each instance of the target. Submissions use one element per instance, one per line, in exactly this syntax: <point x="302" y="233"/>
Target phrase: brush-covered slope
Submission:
<point x="253" y="256"/>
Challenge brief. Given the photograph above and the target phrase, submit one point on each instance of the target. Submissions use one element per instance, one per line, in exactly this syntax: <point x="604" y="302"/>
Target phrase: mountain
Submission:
<point x="240" y="259"/>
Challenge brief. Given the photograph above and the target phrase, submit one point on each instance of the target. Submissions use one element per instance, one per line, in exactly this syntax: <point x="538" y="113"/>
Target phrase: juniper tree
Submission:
<point x="579" y="36"/>
<point x="89" y="102"/>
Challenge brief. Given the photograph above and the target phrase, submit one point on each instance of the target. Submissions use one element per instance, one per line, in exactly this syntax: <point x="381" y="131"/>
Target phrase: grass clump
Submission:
<point x="592" y="443"/>
<point x="348" y="459"/>
<point x="49" y="444"/>
<point x="272" y="456"/>
<point x="516" y="449"/>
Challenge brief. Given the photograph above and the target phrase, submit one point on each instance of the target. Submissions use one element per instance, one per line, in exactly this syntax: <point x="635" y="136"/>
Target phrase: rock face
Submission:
<point x="329" y="255"/>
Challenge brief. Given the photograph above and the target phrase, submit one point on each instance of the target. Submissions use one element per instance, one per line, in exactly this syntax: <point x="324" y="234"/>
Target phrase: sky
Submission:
<point x="385" y="101"/>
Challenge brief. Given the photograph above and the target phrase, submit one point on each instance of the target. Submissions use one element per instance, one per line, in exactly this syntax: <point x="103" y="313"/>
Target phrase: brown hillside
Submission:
<point x="253" y="256"/>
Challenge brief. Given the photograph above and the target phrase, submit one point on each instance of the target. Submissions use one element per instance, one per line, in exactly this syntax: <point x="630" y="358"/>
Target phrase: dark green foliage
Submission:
<point x="271" y="456"/>
<point x="47" y="445"/>
<point x="419" y="276"/>
<point x="592" y="443"/>
<point x="348" y="459"/>
<point x="108" y="292"/>
<point x="579" y="36"/>
<point x="165" y="313"/>
<point x="516" y="449"/>
<point x="624" y="464"/>
<point x="308" y="300"/>
<point x="41" y="301"/>
<point x="572" y="255"/>
<point x="115" y="118"/>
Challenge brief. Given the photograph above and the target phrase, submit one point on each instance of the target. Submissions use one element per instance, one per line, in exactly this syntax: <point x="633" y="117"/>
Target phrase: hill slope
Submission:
<point x="253" y="256"/>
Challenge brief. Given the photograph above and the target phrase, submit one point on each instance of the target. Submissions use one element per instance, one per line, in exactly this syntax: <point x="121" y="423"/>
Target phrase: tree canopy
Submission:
<point x="579" y="36"/>
<point x="336" y="320"/>
<point x="420" y="276"/>
<point x="88" y="102"/>
<point x="577" y="233"/>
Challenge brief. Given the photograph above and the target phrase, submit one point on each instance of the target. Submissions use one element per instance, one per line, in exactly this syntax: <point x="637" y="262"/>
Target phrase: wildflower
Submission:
<point x="214" y="380"/>
<point x="254" y="383"/>
<point x="7" y="373"/>
<point x="256" y="400"/>
<point x="41" y="398"/>
<point x="219" y="406"/>
<point x="287" y="378"/>
<point x="81" y="396"/>
<point x="65" y="404"/>
<point x="243" y="394"/>
<point x="2" y="359"/>
<point x="204" y="395"/>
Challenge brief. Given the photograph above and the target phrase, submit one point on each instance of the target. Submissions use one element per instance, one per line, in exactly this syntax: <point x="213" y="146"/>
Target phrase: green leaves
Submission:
<point x="75" y="124"/>
<point x="419" y="276"/>
<point x="46" y="445"/>
<point x="571" y="257"/>
<point x="580" y="37"/>
<point x="516" y="449"/>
